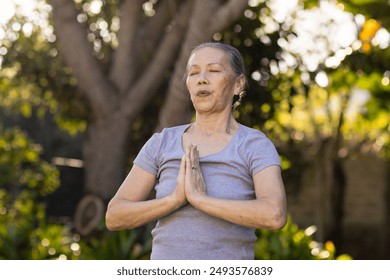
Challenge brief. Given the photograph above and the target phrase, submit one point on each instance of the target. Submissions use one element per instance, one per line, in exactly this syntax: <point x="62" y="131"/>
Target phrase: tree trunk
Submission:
<point x="330" y="184"/>
<point x="337" y="196"/>
<point x="105" y="156"/>
<point x="322" y="186"/>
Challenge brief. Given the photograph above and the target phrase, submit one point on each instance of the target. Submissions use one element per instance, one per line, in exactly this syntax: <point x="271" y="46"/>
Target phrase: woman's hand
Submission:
<point x="179" y="194"/>
<point x="195" y="187"/>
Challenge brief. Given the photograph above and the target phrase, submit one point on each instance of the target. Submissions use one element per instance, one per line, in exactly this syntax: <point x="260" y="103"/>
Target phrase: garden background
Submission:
<point x="84" y="83"/>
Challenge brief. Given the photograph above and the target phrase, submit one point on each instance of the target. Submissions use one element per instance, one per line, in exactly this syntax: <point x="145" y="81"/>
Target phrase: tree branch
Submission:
<point x="85" y="67"/>
<point x="153" y="76"/>
<point x="227" y="14"/>
<point x="122" y="71"/>
<point x="151" y="32"/>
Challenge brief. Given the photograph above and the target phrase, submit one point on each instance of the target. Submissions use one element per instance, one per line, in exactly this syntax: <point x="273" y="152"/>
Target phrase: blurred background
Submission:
<point x="84" y="84"/>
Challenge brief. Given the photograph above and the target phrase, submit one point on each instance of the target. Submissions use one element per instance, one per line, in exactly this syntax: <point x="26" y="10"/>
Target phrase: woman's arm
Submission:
<point x="268" y="210"/>
<point x="129" y="207"/>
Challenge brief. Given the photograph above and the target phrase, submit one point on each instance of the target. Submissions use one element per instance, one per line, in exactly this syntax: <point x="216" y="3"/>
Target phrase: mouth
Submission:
<point x="203" y="93"/>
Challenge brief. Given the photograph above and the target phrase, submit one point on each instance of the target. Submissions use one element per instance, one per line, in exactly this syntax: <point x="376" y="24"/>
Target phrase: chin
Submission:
<point x="203" y="108"/>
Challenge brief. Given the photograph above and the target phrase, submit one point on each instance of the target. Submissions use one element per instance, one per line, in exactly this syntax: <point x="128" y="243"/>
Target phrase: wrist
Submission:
<point x="197" y="200"/>
<point x="175" y="202"/>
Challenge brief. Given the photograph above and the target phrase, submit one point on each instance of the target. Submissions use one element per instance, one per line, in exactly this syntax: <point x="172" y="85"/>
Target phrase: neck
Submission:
<point x="209" y="125"/>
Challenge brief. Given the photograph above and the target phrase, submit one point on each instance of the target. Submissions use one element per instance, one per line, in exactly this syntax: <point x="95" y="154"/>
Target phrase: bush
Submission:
<point x="118" y="245"/>
<point x="292" y="243"/>
<point x="25" y="180"/>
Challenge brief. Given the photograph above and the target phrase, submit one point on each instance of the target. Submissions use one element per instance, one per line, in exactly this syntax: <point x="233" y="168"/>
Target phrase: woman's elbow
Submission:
<point x="111" y="225"/>
<point x="117" y="220"/>
<point x="279" y="219"/>
<point x="113" y="218"/>
<point x="280" y="222"/>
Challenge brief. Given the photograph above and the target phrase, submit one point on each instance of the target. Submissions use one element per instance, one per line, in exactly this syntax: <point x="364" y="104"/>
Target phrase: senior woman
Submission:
<point x="216" y="180"/>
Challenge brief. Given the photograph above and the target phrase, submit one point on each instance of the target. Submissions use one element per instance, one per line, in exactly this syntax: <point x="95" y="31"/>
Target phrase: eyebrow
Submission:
<point x="209" y="64"/>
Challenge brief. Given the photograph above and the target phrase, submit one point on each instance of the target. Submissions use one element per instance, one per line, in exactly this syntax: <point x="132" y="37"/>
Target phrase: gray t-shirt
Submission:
<point x="189" y="233"/>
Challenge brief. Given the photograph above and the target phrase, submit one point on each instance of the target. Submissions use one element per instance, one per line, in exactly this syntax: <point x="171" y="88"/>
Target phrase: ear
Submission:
<point x="240" y="84"/>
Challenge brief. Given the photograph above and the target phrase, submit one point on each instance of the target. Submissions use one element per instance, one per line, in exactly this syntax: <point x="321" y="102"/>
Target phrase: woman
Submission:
<point x="215" y="179"/>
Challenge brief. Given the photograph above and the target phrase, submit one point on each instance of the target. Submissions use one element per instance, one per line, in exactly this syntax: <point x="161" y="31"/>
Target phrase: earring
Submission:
<point x="238" y="102"/>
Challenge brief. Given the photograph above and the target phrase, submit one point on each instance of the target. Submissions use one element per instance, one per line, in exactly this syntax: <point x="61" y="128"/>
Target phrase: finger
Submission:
<point x="183" y="164"/>
<point x="197" y="155"/>
<point x="188" y="159"/>
<point x="193" y="157"/>
<point x="195" y="162"/>
<point x="188" y="151"/>
<point x="182" y="169"/>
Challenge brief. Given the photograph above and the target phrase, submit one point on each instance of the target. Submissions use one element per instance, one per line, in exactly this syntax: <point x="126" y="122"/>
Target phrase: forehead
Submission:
<point x="208" y="55"/>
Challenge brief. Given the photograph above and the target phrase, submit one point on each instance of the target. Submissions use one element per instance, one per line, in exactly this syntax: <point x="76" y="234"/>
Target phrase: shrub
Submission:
<point x="293" y="243"/>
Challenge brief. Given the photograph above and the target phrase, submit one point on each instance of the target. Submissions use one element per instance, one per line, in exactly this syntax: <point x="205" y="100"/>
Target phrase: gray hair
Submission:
<point x="235" y="58"/>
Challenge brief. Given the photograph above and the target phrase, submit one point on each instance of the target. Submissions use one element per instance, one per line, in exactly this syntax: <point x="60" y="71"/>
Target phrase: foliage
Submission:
<point x="119" y="245"/>
<point x="33" y="79"/>
<point x="25" y="181"/>
<point x="21" y="166"/>
<point x="302" y="95"/>
<point x="347" y="110"/>
<point x="293" y="243"/>
<point x="54" y="241"/>
<point x="26" y="235"/>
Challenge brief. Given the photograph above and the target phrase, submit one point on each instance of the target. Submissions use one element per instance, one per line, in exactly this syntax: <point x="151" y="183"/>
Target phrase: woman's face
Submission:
<point x="211" y="80"/>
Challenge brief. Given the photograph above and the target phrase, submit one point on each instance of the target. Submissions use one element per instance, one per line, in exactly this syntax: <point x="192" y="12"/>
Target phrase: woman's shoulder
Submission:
<point x="165" y="138"/>
<point x="255" y="144"/>
<point x="173" y="130"/>
<point x="251" y="132"/>
<point x="167" y="132"/>
<point x="252" y="138"/>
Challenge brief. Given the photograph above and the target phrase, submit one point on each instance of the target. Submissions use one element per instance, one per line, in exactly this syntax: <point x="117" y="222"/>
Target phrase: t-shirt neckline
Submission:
<point x="212" y="154"/>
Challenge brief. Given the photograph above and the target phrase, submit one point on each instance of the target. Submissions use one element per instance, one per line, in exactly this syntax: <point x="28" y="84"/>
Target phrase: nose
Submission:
<point x="202" y="80"/>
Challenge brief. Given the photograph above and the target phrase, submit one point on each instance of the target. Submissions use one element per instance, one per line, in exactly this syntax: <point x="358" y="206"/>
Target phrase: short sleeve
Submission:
<point x="260" y="152"/>
<point x="147" y="157"/>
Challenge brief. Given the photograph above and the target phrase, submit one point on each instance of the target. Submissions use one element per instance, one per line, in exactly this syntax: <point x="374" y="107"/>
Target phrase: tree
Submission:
<point x="119" y="84"/>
